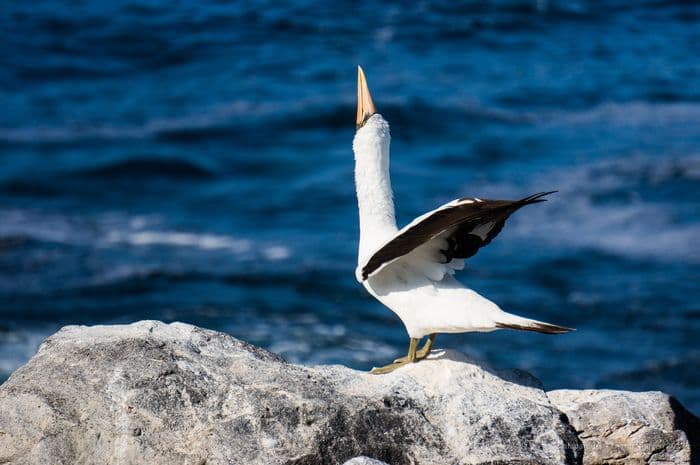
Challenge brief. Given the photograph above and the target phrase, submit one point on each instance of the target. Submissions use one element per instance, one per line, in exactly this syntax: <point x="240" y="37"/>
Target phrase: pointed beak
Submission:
<point x="365" y="106"/>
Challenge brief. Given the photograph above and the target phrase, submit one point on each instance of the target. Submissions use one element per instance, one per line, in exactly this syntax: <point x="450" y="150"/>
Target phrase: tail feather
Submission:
<point x="537" y="326"/>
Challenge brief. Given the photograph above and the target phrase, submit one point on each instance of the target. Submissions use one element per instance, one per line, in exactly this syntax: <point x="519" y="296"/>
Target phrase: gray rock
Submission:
<point x="364" y="461"/>
<point x="176" y="394"/>
<point x="630" y="428"/>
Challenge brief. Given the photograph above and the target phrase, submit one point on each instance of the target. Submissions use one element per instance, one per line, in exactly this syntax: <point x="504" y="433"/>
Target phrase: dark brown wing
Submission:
<point x="475" y="222"/>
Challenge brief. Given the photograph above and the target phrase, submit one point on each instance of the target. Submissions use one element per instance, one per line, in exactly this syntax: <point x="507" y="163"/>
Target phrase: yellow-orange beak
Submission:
<point x="365" y="106"/>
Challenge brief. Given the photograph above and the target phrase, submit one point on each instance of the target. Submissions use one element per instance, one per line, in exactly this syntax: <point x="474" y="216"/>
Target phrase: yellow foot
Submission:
<point x="420" y="355"/>
<point x="389" y="368"/>
<point x="422" y="352"/>
<point x="410" y="358"/>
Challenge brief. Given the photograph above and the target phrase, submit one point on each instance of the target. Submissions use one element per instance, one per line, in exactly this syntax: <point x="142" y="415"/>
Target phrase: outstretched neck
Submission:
<point x="373" y="185"/>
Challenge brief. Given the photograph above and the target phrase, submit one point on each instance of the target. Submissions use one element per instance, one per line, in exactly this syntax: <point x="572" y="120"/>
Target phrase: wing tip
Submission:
<point x="536" y="198"/>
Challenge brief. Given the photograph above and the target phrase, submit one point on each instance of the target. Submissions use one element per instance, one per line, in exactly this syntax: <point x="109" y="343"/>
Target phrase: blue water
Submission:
<point x="192" y="161"/>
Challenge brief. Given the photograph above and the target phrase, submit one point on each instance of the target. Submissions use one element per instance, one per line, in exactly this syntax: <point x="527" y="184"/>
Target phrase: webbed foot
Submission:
<point x="388" y="368"/>
<point x="422" y="352"/>
<point x="410" y="358"/>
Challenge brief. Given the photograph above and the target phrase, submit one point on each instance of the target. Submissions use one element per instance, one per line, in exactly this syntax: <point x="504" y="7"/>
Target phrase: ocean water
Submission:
<point x="192" y="161"/>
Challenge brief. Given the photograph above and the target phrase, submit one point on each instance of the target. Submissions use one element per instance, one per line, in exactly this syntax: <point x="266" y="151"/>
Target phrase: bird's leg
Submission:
<point x="427" y="347"/>
<point x="423" y="351"/>
<point x="411" y="357"/>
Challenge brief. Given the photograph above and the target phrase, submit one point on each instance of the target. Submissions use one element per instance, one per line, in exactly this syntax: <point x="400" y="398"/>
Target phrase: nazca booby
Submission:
<point x="410" y="270"/>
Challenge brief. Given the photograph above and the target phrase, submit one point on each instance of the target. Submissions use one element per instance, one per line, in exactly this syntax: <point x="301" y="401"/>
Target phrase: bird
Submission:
<point x="411" y="270"/>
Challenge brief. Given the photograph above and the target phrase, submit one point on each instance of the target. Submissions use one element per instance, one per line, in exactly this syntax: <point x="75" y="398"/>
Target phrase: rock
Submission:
<point x="630" y="428"/>
<point x="364" y="461"/>
<point x="162" y="394"/>
<point x="153" y="393"/>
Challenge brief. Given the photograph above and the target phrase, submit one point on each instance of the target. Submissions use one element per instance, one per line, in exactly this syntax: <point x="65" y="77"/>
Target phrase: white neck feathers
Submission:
<point x="373" y="184"/>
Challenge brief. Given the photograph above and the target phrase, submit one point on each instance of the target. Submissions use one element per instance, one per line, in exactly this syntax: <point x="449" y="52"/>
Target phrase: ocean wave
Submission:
<point x="13" y="242"/>
<point x="626" y="114"/>
<point x="28" y="188"/>
<point x="638" y="170"/>
<point x="120" y="280"/>
<point x="178" y="239"/>
<point x="148" y="166"/>
<point x="45" y="227"/>
<point x="208" y="119"/>
<point x="111" y="229"/>
<point x="232" y="119"/>
<point x="684" y="370"/>
<point x="644" y="227"/>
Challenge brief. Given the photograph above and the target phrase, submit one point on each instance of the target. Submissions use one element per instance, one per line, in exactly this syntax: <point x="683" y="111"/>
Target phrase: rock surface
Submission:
<point x="629" y="428"/>
<point x="153" y="393"/>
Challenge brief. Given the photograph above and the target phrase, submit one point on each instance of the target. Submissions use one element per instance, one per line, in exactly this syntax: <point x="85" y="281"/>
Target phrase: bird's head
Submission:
<point x="372" y="131"/>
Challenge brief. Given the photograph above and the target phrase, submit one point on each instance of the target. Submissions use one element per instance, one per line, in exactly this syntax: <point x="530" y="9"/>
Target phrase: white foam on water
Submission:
<point x="276" y="253"/>
<point x="115" y="229"/>
<point x="637" y="231"/>
<point x="633" y="227"/>
<point x="179" y="239"/>
<point x="626" y="114"/>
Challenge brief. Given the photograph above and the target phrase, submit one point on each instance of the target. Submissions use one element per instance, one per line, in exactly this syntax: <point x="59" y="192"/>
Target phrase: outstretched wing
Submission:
<point x="438" y="241"/>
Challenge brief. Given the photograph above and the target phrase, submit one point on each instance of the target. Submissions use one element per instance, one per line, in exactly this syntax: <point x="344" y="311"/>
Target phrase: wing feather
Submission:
<point x="437" y="242"/>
